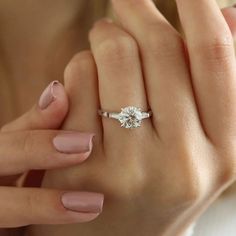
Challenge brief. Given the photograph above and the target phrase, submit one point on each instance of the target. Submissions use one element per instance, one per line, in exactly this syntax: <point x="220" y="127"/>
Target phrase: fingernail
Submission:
<point x="73" y="142"/>
<point x="49" y="95"/>
<point x="83" y="202"/>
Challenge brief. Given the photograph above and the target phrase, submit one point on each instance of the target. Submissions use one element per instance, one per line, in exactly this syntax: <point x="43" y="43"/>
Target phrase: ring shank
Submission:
<point x="116" y="115"/>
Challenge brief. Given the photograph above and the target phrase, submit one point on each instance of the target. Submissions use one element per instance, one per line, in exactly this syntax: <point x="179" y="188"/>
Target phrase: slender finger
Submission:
<point x="165" y="68"/>
<point x="25" y="206"/>
<point x="49" y="113"/>
<point x="81" y="85"/>
<point x="119" y="73"/>
<point x="212" y="61"/>
<point x="26" y="150"/>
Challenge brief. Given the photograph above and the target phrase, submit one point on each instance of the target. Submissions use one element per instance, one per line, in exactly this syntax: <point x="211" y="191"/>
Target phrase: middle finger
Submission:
<point x="165" y="68"/>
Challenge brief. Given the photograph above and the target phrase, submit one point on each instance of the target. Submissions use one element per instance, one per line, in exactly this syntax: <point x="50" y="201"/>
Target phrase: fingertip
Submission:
<point x="48" y="113"/>
<point x="48" y="95"/>
<point x="54" y="94"/>
<point x="53" y="105"/>
<point x="83" y="206"/>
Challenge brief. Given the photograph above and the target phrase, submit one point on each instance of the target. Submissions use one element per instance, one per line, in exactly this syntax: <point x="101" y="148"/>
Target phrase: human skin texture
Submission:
<point x="35" y="142"/>
<point x="159" y="178"/>
<point x="23" y="75"/>
<point x="53" y="39"/>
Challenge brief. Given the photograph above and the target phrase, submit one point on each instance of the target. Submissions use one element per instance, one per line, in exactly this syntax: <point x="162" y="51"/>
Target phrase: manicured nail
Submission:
<point x="49" y="95"/>
<point x="73" y="142"/>
<point x="83" y="202"/>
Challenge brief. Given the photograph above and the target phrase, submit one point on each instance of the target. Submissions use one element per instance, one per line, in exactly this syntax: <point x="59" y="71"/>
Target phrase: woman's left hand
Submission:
<point x="157" y="178"/>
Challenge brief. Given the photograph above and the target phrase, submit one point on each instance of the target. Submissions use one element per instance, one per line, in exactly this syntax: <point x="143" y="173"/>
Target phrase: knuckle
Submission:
<point x="116" y="49"/>
<point x="217" y="49"/>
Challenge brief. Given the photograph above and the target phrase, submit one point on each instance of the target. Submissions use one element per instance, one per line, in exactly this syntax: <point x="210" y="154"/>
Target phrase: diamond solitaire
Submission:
<point x="130" y="117"/>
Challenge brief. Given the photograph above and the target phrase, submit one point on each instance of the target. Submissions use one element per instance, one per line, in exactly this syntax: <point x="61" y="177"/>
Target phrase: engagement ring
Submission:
<point x="130" y="117"/>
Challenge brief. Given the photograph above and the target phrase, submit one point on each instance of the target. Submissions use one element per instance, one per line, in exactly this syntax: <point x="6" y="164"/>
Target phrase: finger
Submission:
<point x="212" y="62"/>
<point x="26" y="150"/>
<point x="119" y="71"/>
<point x="49" y="113"/>
<point x="230" y="17"/>
<point x="81" y="85"/>
<point x="165" y="69"/>
<point x="25" y="206"/>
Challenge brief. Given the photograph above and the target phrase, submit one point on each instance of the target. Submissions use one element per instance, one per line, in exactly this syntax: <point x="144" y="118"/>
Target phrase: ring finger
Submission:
<point x="119" y="71"/>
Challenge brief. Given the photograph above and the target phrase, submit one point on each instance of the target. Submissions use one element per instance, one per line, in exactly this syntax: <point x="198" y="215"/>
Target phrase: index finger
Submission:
<point x="25" y="206"/>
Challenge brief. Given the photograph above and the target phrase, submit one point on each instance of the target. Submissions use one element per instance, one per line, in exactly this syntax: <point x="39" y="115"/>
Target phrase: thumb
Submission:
<point x="49" y="113"/>
<point x="230" y="17"/>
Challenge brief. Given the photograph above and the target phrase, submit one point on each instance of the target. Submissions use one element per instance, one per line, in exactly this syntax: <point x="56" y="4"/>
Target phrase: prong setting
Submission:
<point x="130" y="117"/>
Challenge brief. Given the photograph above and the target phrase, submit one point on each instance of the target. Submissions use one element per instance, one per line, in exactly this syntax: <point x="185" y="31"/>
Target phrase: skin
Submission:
<point x="189" y="136"/>
<point x="26" y="144"/>
<point x="144" y="180"/>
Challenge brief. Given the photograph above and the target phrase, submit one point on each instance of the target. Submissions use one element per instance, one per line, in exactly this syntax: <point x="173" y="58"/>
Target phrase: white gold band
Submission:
<point x="116" y="115"/>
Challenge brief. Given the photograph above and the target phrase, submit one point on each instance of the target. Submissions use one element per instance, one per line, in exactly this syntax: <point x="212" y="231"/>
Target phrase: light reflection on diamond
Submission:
<point x="130" y="117"/>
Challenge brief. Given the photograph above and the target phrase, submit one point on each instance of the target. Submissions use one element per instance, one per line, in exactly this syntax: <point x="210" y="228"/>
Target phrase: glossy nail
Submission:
<point x="49" y="95"/>
<point x="83" y="202"/>
<point x="73" y="142"/>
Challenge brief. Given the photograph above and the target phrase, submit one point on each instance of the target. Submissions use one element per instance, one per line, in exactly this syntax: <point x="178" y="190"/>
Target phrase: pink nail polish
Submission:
<point x="73" y="142"/>
<point x="83" y="202"/>
<point x="48" y="95"/>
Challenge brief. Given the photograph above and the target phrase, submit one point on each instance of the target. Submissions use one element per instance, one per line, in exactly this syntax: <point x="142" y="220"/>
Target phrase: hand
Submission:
<point x="158" y="178"/>
<point x="31" y="143"/>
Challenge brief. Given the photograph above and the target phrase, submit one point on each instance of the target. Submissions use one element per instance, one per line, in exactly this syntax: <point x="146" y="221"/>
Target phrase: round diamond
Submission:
<point x="130" y="117"/>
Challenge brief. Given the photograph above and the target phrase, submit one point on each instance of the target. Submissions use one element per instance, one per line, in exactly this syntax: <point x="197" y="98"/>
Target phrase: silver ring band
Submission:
<point x="116" y="115"/>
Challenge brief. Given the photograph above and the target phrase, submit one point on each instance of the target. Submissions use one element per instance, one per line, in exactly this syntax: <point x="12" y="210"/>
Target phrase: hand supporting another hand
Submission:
<point x="30" y="143"/>
<point x="160" y="177"/>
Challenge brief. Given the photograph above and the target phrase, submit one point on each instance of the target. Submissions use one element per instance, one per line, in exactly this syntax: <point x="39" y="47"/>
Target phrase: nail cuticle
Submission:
<point x="53" y="84"/>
